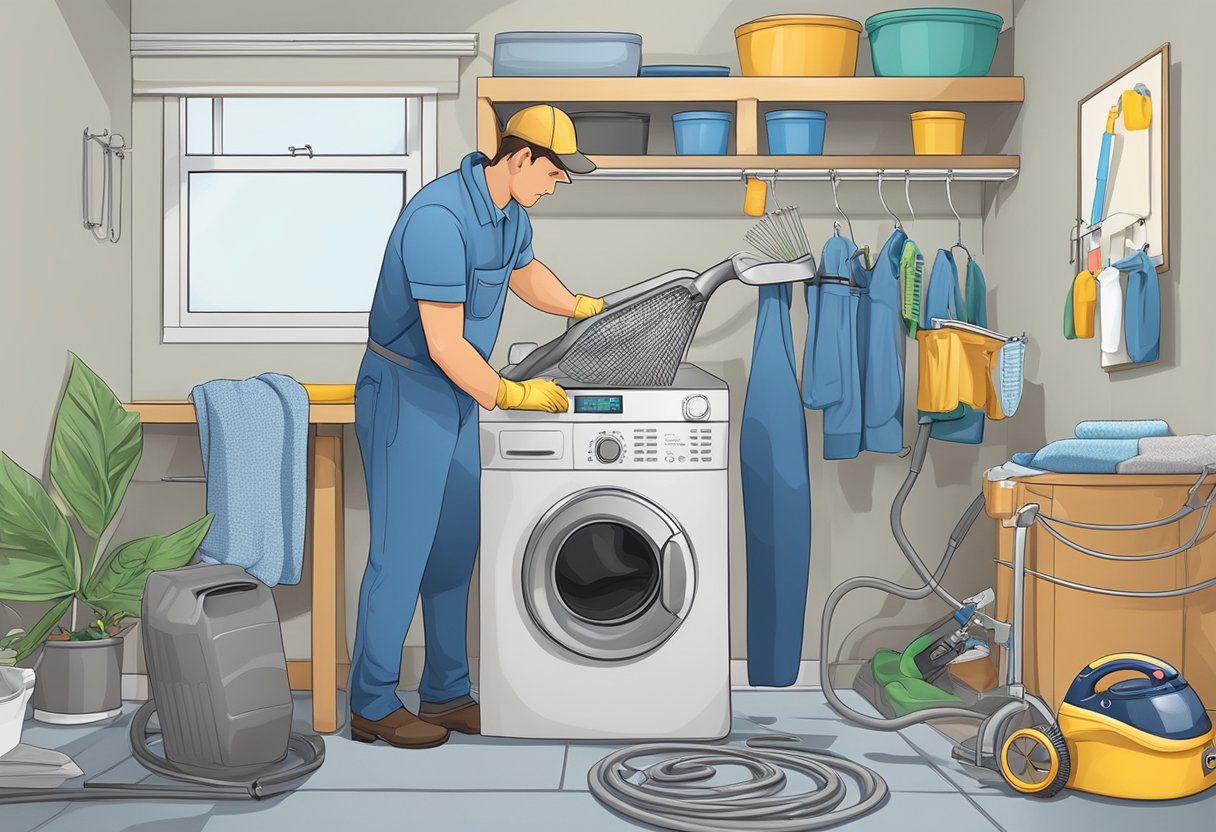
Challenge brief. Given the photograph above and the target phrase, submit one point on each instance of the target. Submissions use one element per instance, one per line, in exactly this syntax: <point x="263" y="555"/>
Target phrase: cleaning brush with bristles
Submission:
<point x="780" y="235"/>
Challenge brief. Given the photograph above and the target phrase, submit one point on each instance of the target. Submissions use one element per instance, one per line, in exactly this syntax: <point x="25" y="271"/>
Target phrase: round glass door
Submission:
<point x="607" y="572"/>
<point x="608" y="575"/>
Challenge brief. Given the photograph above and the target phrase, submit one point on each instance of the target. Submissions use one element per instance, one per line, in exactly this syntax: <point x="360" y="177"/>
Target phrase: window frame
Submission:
<point x="180" y="325"/>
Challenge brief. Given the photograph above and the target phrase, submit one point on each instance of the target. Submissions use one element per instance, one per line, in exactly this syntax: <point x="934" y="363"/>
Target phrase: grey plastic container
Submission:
<point x="217" y="669"/>
<point x="595" y="54"/>
<point x="612" y="134"/>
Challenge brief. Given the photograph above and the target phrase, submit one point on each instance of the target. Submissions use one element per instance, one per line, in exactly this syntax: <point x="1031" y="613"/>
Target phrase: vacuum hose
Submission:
<point x="932" y="584"/>
<point x="668" y="793"/>
<point x="310" y="748"/>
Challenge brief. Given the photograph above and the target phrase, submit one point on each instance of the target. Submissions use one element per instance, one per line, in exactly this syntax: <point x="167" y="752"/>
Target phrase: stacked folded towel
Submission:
<point x="1099" y="447"/>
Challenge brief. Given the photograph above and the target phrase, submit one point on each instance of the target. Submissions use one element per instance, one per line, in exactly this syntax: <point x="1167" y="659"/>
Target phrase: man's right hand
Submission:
<point x="533" y="394"/>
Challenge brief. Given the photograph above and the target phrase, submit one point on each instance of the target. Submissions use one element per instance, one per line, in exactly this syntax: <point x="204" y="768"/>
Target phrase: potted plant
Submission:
<point x="95" y="449"/>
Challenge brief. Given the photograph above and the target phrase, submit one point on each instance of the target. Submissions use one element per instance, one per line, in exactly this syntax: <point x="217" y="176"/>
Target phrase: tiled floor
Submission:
<point x="474" y="783"/>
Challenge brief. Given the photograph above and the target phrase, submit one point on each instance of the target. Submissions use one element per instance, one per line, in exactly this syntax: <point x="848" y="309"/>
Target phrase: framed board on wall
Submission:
<point x="1123" y="204"/>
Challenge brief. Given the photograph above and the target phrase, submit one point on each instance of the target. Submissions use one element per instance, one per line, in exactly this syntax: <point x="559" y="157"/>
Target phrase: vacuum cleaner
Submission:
<point x="1146" y="738"/>
<point x="220" y="694"/>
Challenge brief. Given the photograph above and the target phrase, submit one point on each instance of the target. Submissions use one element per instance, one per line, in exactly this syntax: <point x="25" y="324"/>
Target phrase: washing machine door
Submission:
<point x="608" y="574"/>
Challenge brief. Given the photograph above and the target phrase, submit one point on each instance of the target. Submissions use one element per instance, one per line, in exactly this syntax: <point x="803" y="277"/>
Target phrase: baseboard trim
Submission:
<point x="808" y="677"/>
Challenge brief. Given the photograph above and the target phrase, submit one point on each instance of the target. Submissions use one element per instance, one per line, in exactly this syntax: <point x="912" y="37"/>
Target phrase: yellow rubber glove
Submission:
<point x="533" y="394"/>
<point x="585" y="307"/>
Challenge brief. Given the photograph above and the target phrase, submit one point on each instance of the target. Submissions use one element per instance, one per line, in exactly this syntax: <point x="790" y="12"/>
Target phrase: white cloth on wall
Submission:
<point x="1110" y="310"/>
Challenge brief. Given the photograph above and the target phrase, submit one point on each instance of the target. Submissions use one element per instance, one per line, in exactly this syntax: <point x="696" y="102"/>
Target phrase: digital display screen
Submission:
<point x="598" y="404"/>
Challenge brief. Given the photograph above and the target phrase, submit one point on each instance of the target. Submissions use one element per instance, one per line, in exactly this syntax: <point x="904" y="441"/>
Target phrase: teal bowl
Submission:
<point x="933" y="42"/>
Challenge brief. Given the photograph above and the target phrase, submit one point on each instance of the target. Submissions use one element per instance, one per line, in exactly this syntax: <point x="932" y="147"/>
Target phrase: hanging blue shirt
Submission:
<point x="451" y="244"/>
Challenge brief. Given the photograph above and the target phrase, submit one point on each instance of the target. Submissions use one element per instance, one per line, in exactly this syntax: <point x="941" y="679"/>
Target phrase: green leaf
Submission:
<point x="95" y="449"/>
<point x="38" y="632"/>
<point x="37" y="549"/>
<point x="118" y="587"/>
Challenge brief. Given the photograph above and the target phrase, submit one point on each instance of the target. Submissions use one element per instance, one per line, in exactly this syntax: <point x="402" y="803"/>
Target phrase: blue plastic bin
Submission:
<point x="702" y="132"/>
<point x="796" y="132"/>
<point x="684" y="71"/>
<point x="594" y="54"/>
<point x="933" y="42"/>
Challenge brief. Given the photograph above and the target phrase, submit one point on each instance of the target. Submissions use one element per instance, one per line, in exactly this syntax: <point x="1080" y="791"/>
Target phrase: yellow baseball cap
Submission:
<point x="546" y="126"/>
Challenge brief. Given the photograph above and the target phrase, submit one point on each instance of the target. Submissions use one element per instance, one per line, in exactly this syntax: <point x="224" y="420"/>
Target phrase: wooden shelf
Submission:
<point x="746" y="96"/>
<point x="865" y="90"/>
<point x="182" y="413"/>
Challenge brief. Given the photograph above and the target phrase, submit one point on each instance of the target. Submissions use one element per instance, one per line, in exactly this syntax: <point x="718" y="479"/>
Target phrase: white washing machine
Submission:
<point x="604" y="575"/>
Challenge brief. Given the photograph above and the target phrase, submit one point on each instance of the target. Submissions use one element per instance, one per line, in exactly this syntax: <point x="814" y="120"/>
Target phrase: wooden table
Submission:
<point x="320" y="674"/>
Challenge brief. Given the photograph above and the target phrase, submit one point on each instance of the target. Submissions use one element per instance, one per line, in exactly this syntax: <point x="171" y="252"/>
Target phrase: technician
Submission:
<point x="456" y="248"/>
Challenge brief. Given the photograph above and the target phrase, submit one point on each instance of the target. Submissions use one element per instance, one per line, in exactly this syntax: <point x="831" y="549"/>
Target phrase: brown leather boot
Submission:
<point x="465" y="719"/>
<point x="400" y="728"/>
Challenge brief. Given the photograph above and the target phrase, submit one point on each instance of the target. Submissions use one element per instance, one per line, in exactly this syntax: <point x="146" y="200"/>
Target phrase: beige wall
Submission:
<point x="1028" y="226"/>
<point x="598" y="235"/>
<point x="64" y="66"/>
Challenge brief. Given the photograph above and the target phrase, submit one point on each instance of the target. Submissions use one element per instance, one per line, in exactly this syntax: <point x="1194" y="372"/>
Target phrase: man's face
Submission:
<point x="533" y="178"/>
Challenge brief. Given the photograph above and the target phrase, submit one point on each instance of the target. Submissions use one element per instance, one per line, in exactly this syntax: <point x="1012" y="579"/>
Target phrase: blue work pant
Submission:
<point x="418" y="437"/>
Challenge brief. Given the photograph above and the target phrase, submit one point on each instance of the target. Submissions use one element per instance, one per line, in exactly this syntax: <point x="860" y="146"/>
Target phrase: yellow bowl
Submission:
<point x="799" y="44"/>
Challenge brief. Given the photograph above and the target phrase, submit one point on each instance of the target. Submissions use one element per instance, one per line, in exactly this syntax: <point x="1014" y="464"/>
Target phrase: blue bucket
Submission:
<point x="702" y="132"/>
<point x="797" y="132"/>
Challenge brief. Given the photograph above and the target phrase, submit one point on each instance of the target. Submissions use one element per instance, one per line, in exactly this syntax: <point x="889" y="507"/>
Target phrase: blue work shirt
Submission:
<point x="451" y="244"/>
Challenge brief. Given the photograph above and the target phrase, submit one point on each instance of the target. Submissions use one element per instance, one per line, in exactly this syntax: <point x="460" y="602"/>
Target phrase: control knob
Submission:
<point x="607" y="449"/>
<point x="696" y="407"/>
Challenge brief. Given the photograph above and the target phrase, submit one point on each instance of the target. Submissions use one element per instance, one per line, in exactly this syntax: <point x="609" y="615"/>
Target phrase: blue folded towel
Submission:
<point x="1122" y="428"/>
<point x="254" y="439"/>
<point x="1080" y="456"/>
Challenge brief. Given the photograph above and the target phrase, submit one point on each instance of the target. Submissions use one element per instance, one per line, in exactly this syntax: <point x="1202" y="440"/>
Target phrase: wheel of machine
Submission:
<point x="1035" y="760"/>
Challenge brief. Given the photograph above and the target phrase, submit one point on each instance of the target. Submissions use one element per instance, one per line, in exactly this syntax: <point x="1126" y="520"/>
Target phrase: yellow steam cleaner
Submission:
<point x="1143" y="738"/>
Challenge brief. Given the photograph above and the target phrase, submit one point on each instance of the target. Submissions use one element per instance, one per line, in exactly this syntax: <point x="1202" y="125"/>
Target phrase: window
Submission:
<point x="277" y="211"/>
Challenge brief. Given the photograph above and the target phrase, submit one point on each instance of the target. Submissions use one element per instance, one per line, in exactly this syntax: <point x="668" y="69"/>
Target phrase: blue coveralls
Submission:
<point x="418" y="434"/>
<point x="881" y="352"/>
<point x="831" y="369"/>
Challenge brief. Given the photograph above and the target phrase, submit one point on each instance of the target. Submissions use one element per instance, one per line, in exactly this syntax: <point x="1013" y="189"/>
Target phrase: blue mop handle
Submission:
<point x="1095" y="215"/>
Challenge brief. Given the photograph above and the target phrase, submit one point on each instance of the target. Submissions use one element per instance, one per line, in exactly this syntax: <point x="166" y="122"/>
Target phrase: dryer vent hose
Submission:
<point x="671" y="793"/>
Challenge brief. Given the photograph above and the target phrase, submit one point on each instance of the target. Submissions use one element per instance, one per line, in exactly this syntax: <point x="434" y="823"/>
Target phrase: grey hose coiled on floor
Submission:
<point x="667" y="794"/>
<point x="310" y="748"/>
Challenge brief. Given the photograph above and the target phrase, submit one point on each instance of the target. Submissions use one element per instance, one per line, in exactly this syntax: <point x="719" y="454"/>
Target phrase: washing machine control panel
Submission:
<point x="652" y="446"/>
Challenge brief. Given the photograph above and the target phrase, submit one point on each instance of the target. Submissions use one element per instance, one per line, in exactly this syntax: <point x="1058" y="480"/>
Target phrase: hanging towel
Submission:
<point x="882" y="366"/>
<point x="1142" y="311"/>
<point x="831" y="365"/>
<point x="254" y="439"/>
<point x="1110" y="310"/>
<point x="776" y="498"/>
<point x="943" y="299"/>
<point x="912" y="278"/>
<point x="1121" y="428"/>
<point x="975" y="302"/>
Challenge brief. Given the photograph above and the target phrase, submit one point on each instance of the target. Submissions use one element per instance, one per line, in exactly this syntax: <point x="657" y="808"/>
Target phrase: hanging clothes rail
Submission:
<point x="803" y="174"/>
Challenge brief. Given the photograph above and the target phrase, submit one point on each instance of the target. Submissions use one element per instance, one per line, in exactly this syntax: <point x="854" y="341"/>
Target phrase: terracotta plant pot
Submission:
<point x="79" y="681"/>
